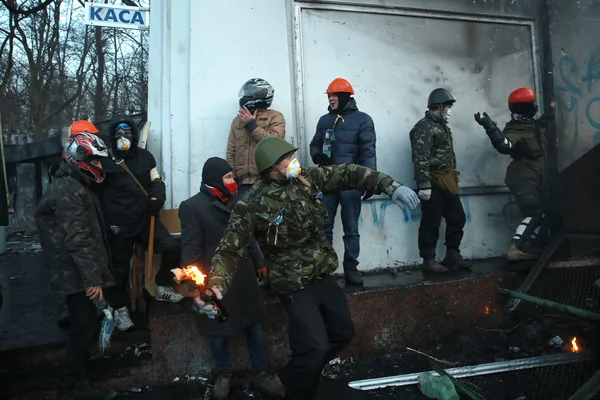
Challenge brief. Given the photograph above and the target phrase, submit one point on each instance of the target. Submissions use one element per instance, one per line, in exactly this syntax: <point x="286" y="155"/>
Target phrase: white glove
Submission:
<point x="425" y="194"/>
<point x="406" y="197"/>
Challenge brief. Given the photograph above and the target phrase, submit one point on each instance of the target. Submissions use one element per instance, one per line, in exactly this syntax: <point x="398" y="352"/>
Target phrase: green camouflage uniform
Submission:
<point x="287" y="219"/>
<point x="72" y="234"/>
<point x="432" y="150"/>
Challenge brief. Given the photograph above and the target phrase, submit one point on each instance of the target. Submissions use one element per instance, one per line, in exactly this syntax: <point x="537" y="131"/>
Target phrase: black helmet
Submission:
<point x="256" y="93"/>
<point x="440" y="96"/>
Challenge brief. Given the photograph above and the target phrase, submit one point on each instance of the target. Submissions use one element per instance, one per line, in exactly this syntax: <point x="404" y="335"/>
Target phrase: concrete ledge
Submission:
<point x="392" y="312"/>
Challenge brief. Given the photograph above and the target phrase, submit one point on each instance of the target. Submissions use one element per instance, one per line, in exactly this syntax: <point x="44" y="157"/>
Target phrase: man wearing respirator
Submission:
<point x="131" y="193"/>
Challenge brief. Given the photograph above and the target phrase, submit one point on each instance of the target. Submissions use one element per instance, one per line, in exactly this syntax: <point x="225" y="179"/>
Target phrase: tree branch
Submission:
<point x="25" y="12"/>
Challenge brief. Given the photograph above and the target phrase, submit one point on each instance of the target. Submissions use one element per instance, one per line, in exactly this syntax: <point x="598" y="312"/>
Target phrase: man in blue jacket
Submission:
<point x="345" y="136"/>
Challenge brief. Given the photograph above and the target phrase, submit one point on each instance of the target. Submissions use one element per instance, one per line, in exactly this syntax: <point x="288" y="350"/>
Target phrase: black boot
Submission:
<point x="431" y="265"/>
<point x="353" y="278"/>
<point x="453" y="259"/>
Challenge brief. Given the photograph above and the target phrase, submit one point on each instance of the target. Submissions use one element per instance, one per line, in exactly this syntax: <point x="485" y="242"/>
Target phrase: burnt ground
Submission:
<point x="28" y="320"/>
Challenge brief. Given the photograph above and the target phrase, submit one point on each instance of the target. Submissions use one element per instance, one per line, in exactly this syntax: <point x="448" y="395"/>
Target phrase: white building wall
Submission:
<point x="201" y="53"/>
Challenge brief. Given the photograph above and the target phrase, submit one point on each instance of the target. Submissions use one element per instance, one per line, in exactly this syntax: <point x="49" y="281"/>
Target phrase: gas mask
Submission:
<point x="293" y="169"/>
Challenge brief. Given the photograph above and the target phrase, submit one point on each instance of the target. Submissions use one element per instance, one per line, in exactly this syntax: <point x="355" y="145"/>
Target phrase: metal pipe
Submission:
<point x="574" y="311"/>
<point x="474" y="370"/>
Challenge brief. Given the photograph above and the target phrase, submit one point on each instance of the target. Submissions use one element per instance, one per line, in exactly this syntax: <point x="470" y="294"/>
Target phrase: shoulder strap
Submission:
<point x="120" y="162"/>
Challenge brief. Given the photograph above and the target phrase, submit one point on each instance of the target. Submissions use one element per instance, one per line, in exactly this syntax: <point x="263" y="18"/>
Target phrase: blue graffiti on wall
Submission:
<point x="576" y="86"/>
<point x="378" y="213"/>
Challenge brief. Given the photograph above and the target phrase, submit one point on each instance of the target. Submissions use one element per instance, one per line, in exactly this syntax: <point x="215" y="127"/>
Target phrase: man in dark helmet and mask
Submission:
<point x="437" y="180"/>
<point x="523" y="139"/>
<point x="132" y="192"/>
<point x="254" y="122"/>
<point x="345" y="135"/>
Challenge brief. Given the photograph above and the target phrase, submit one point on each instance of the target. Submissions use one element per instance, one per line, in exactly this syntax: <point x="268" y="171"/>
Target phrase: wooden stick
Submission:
<point x="537" y="269"/>
<point x="432" y="357"/>
<point x="134" y="280"/>
<point x="150" y="255"/>
<point x="577" y="312"/>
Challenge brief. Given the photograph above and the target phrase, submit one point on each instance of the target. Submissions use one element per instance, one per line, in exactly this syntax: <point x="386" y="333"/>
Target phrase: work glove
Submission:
<point x="261" y="273"/>
<point x="406" y="197"/>
<point x="367" y="195"/>
<point x="321" y="159"/>
<point x="154" y="206"/>
<point x="208" y="309"/>
<point x="484" y="120"/>
<point x="424" y="194"/>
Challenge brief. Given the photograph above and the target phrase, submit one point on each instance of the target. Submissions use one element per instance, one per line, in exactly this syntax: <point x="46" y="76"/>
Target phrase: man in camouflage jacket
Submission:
<point x="284" y="212"/>
<point x="75" y="246"/>
<point x="523" y="139"/>
<point x="437" y="180"/>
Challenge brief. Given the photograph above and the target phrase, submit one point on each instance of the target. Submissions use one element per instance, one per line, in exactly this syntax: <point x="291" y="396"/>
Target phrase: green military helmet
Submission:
<point x="269" y="150"/>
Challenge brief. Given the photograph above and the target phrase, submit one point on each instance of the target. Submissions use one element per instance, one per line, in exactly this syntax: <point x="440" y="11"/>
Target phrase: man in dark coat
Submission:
<point x="127" y="204"/>
<point x="204" y="218"/>
<point x="75" y="249"/>
<point x="345" y="136"/>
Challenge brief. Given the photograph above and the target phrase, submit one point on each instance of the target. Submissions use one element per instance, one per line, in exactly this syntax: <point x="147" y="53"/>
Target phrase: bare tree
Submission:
<point x="21" y="10"/>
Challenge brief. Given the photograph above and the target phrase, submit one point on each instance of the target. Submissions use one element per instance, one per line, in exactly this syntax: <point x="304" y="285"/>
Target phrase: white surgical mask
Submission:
<point x="448" y="114"/>
<point x="123" y="144"/>
<point x="293" y="169"/>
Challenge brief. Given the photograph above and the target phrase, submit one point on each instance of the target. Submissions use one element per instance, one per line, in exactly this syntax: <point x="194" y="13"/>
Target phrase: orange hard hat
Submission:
<point x="82" y="126"/>
<point x="340" y="85"/>
<point x="521" y="95"/>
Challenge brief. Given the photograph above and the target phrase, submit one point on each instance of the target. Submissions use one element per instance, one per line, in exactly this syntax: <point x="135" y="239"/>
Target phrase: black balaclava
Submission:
<point x="343" y="99"/>
<point x="527" y="110"/>
<point x="212" y="174"/>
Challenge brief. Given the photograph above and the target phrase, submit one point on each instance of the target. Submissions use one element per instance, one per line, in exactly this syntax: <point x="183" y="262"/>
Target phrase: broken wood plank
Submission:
<point x="537" y="269"/>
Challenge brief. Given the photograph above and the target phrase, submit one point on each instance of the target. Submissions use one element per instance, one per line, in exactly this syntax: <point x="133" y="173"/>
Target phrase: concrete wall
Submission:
<point x="574" y="29"/>
<point x="395" y="53"/>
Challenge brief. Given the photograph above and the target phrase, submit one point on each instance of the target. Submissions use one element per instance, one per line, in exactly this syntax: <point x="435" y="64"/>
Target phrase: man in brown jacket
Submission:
<point x="254" y="122"/>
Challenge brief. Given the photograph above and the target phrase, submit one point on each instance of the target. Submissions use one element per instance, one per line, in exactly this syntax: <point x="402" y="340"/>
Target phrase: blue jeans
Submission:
<point x="256" y="349"/>
<point x="351" y="204"/>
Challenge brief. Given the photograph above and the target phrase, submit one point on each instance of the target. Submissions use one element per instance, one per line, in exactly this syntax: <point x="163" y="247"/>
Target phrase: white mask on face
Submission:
<point x="448" y="114"/>
<point x="293" y="169"/>
<point x="123" y="144"/>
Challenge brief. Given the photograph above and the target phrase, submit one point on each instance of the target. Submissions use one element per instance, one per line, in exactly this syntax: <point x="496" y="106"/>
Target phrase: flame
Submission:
<point x="193" y="272"/>
<point x="487" y="310"/>
<point x="575" y="347"/>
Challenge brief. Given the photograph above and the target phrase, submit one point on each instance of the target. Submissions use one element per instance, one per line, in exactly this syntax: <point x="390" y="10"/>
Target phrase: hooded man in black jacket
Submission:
<point x="127" y="207"/>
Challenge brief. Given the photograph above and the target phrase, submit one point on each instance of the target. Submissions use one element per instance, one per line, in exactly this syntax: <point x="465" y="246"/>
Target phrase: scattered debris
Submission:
<point x="556" y="341"/>
<point x="437" y="387"/>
